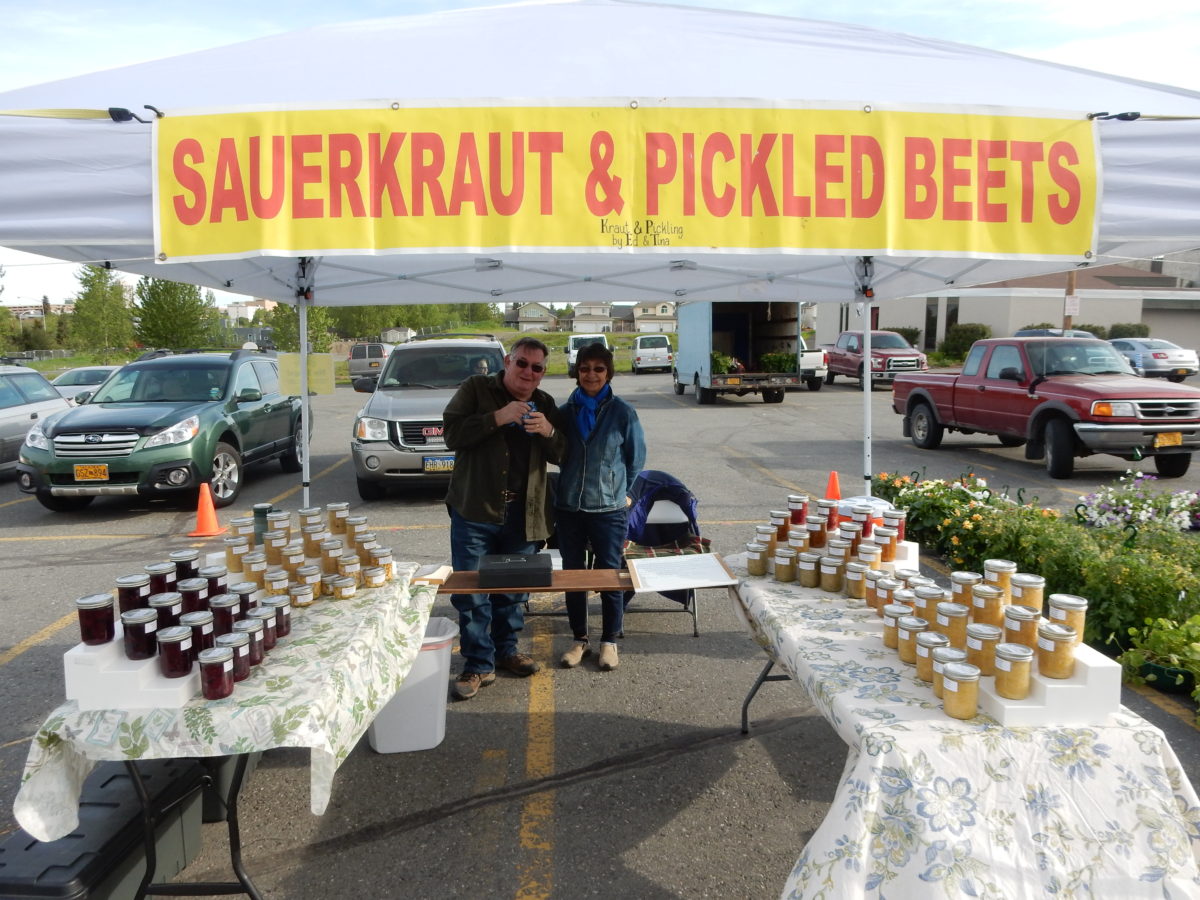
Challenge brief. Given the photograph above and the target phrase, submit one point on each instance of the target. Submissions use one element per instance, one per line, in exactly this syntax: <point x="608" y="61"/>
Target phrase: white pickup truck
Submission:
<point x="752" y="347"/>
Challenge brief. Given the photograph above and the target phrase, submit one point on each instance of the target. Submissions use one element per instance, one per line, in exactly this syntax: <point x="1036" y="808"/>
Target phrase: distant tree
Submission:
<point x="175" y="315"/>
<point x="7" y="328"/>
<point x="35" y="337"/>
<point x="62" y="330"/>
<point x="103" y="321"/>
<point x="1" y="279"/>
<point x="261" y="317"/>
<point x="362" y="321"/>
<point x="285" y="325"/>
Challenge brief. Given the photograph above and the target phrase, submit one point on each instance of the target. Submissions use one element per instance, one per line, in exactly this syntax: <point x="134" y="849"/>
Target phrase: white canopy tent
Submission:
<point x="83" y="189"/>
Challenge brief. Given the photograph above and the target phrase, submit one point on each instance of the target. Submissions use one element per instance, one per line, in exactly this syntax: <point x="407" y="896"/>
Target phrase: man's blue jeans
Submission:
<point x="488" y="624"/>
<point x="606" y="533"/>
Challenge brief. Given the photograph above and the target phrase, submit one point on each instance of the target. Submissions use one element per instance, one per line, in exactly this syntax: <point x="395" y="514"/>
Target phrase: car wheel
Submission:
<point x="676" y="385"/>
<point x="772" y="395"/>
<point x="1010" y="440"/>
<point x="293" y="459"/>
<point x="226" y="481"/>
<point x="705" y="396"/>
<point x="1175" y="379"/>
<point x="371" y="490"/>
<point x="62" y="504"/>
<point x="829" y="377"/>
<point x="1173" y="465"/>
<point x="1060" y="449"/>
<point x="924" y="427"/>
<point x="813" y="384"/>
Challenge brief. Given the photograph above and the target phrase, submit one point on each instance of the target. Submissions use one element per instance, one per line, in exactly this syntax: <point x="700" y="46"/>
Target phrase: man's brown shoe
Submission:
<point x="468" y="684"/>
<point x="519" y="664"/>
<point x="574" y="656"/>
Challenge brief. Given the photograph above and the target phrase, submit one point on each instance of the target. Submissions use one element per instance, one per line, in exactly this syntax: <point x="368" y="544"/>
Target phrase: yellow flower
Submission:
<point x="977" y="517"/>
<point x="945" y="522"/>
<point x="968" y="525"/>
<point x="954" y="540"/>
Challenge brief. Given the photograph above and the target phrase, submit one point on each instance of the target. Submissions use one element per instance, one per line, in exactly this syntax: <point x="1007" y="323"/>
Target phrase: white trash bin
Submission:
<point x="415" y="717"/>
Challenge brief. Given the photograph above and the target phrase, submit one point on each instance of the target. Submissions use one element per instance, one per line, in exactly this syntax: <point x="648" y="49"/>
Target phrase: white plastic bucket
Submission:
<point x="415" y="717"/>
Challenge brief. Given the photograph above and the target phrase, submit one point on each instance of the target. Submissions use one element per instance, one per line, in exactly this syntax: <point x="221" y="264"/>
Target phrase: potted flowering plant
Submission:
<point x="1164" y="653"/>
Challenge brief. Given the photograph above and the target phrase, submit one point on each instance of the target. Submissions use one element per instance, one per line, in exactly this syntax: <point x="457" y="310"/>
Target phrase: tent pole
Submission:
<point x="303" y="298"/>
<point x="867" y="390"/>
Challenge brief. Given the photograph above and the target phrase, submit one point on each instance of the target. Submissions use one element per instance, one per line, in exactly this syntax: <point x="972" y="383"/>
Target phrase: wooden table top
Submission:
<point x="560" y="580"/>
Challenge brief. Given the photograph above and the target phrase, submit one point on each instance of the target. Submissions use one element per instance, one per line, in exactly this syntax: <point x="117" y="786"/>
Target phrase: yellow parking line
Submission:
<point x="24" y="499"/>
<point x="78" y="537"/>
<point x="535" y="871"/>
<point x="34" y="639"/>
<point x="1167" y="704"/>
<point x="293" y="490"/>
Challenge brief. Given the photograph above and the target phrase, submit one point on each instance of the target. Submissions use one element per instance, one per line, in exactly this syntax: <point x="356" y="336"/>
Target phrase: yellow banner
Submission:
<point x="623" y="179"/>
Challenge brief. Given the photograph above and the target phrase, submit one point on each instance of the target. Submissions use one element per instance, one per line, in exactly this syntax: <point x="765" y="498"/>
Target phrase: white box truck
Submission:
<point x="733" y="347"/>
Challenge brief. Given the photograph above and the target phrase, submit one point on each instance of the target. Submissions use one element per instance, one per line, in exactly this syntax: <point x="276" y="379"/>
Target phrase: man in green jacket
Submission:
<point x="502" y="432"/>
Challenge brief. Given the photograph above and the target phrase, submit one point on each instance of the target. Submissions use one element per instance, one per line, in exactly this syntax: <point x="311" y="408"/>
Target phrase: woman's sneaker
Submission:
<point x="574" y="656"/>
<point x="608" y="657"/>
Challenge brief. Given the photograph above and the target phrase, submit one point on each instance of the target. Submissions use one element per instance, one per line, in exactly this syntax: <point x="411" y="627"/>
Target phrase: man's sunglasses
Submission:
<point x="526" y="364"/>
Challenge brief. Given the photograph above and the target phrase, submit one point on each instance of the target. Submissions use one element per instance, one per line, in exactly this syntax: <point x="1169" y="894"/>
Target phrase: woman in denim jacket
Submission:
<point x="605" y="452"/>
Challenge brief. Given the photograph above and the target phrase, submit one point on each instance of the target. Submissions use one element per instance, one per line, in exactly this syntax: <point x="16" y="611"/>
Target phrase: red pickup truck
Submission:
<point x="1061" y="397"/>
<point x="891" y="355"/>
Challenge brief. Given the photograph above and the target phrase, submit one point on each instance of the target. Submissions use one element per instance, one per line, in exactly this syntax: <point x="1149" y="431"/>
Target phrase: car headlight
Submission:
<point x="369" y="429"/>
<point x="179" y="433"/>
<point x="1115" y="409"/>
<point x="876" y="363"/>
<point x="35" y="437"/>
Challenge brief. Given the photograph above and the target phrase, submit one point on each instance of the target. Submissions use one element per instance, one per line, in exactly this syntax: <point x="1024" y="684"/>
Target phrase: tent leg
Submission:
<point x="303" y="299"/>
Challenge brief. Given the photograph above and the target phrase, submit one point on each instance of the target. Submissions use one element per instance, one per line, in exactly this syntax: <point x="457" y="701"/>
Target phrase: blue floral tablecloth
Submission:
<point x="930" y="806"/>
<point x="319" y="688"/>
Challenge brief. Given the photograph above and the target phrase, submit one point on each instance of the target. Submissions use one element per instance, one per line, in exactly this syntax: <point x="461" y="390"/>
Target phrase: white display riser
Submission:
<point x="908" y="556"/>
<point x="1086" y="698"/>
<point x="102" y="677"/>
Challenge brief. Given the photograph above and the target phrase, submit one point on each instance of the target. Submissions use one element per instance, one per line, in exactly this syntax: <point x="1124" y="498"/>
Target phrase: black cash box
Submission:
<point x="503" y="570"/>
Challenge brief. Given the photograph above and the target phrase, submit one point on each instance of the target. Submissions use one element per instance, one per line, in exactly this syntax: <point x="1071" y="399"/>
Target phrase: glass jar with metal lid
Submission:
<point x="326" y="587"/>
<point x="310" y="575"/>
<point x="797" y="508"/>
<point x="162" y="577"/>
<point x="331" y="551"/>
<point x="337" y="513"/>
<point x="279" y="520"/>
<point x="999" y="573"/>
<point x="193" y="592"/>
<point x="839" y="547"/>
<point x="1028" y="589"/>
<point x="313" y="535"/>
<point x="797" y="539"/>
<point x="780" y="520"/>
<point x="943" y="656"/>
<point x="765" y="535"/>
<point x="1021" y="624"/>
<point x="891" y="616"/>
<point x="808" y="567"/>
<point x="169" y="607"/>
<point x="270" y="635"/>
<point x="960" y="690"/>
<point x="139" y="632"/>
<point x="817" y="535"/>
<point x="863" y="514"/>
<point x="366" y="543"/>
<point x="282" y="604"/>
<point x="350" y="566"/>
<point x="828" y="510"/>
<point x="383" y="558"/>
<point x="951" y="620"/>
<point x="253" y="628"/>
<point x="310" y="515"/>
<point x="926" y="597"/>
<point x="201" y="623"/>
<point x="981" y="646"/>
<point x="354" y="525"/>
<point x="243" y="526"/>
<point x="225" y="609"/>
<point x="185" y="563"/>
<point x="217" y="577"/>
<point x="236" y="546"/>
<point x="907" y="597"/>
<point x="374" y="577"/>
<point x="175" y="651"/>
<point x="216" y="672"/>
<point x="855" y="578"/>
<point x="254" y="567"/>
<point x="833" y="574"/>
<point x="896" y="519"/>
<point x="870" y="553"/>
<point x="887" y="540"/>
<point x="97" y="623"/>
<point x="852" y="532"/>
<point x="785" y="564"/>
<point x="1056" y="650"/>
<point x="239" y="643"/>
<point x="961" y="584"/>
<point x="1014" y="665"/>
<point x="1069" y="610"/>
<point x="292" y="559"/>
<point x="343" y="587"/>
<point x="245" y="591"/>
<point x="885" y="588"/>
<point x="928" y="641"/>
<point x="756" y="559"/>
<point x="275" y="582"/>
<point x="905" y="574"/>
<point x="987" y="604"/>
<point x="133" y="591"/>
<point x="302" y="595"/>
<point x="907" y="629"/>
<point x="272" y="545"/>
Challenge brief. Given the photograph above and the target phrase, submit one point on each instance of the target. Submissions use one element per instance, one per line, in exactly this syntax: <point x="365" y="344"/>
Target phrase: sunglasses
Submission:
<point x="538" y="368"/>
<point x="599" y="370"/>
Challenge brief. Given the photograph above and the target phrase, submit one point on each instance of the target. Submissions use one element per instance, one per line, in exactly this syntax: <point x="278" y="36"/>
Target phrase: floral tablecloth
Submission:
<point x="320" y="687"/>
<point x="930" y="806"/>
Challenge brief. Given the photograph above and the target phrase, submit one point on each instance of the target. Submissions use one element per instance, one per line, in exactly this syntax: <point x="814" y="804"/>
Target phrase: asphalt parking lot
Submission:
<point x="572" y="783"/>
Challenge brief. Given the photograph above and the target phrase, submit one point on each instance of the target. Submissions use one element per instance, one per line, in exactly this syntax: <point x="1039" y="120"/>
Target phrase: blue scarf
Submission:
<point x="586" y="408"/>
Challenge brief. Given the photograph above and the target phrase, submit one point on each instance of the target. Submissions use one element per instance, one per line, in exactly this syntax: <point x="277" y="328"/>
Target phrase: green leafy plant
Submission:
<point x="908" y="332"/>
<point x="1166" y="643"/>
<point x="719" y="363"/>
<point x="1129" y="330"/>
<point x="777" y="362"/>
<point x="960" y="337"/>
<point x="1100" y="331"/>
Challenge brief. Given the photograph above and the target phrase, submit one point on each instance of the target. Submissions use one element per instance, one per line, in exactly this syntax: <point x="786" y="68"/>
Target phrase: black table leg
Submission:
<point x="764" y="675"/>
<point x="151" y="817"/>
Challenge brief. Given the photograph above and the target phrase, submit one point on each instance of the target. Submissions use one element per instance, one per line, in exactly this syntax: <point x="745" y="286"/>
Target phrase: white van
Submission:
<point x="577" y="341"/>
<point x="651" y="351"/>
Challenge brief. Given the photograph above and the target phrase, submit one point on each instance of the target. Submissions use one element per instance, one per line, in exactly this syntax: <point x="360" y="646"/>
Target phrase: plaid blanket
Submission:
<point x="692" y="544"/>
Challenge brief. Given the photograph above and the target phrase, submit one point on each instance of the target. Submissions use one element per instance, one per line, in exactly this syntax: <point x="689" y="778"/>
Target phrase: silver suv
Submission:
<point x="398" y="436"/>
<point x="25" y="399"/>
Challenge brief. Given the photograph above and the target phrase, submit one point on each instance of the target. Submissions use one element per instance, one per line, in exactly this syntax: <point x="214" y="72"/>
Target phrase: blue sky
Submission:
<point x="1152" y="41"/>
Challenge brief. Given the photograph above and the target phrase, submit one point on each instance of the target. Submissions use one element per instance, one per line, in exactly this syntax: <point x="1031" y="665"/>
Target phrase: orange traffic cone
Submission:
<point x="833" y="490"/>
<point x="206" y="515"/>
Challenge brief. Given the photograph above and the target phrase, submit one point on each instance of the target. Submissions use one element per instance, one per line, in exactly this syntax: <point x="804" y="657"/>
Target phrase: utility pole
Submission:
<point x="1070" y="302"/>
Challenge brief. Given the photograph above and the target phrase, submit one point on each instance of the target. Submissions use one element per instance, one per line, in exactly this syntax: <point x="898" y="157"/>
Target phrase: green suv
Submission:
<point x="163" y="426"/>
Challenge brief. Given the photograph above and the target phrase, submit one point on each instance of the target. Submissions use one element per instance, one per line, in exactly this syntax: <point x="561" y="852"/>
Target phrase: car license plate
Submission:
<point x="439" y="463"/>
<point x="733" y="381"/>
<point x="1168" y="439"/>
<point x="1181" y="371"/>
<point x="97" y="472"/>
<point x="374" y="364"/>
